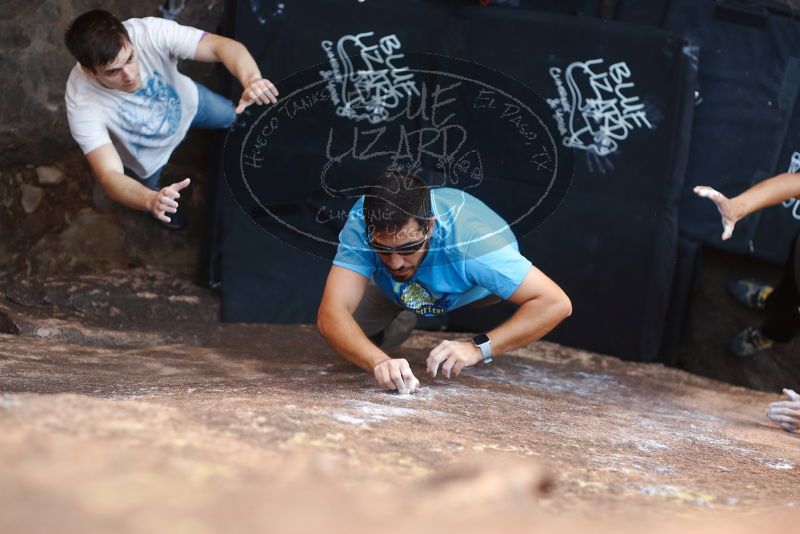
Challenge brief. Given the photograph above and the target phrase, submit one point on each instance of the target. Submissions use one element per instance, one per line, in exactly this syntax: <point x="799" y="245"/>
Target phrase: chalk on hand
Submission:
<point x="706" y="192"/>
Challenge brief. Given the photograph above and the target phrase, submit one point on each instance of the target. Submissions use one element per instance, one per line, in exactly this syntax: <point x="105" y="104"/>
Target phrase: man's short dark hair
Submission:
<point x="96" y="38"/>
<point x="394" y="199"/>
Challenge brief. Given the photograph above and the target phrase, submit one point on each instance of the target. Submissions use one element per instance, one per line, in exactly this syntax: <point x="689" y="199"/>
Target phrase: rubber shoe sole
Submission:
<point x="751" y="293"/>
<point x="750" y="342"/>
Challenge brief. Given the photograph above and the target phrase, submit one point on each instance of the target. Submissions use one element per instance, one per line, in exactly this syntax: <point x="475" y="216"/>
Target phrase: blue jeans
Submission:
<point x="213" y="112"/>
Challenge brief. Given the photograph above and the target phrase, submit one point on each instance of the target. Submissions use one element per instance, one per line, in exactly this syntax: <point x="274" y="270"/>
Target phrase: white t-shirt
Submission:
<point x="147" y="125"/>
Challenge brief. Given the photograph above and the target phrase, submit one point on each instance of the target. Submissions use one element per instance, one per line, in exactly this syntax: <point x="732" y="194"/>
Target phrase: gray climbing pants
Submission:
<point x="385" y="323"/>
<point x="388" y="324"/>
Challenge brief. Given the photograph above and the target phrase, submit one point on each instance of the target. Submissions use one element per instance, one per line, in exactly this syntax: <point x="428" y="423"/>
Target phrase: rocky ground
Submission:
<point x="715" y="317"/>
<point x="126" y="407"/>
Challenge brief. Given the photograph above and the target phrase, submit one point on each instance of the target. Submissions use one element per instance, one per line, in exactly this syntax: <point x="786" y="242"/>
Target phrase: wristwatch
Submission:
<point x="482" y="342"/>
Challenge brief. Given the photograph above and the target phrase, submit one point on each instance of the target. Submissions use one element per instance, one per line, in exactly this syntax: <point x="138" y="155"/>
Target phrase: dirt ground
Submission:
<point x="715" y="317"/>
<point x="126" y="407"/>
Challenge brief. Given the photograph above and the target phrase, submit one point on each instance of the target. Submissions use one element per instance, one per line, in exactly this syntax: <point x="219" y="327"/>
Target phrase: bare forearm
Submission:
<point x="239" y="62"/>
<point x="344" y="336"/>
<point x="530" y="322"/>
<point x="126" y="190"/>
<point x="767" y="193"/>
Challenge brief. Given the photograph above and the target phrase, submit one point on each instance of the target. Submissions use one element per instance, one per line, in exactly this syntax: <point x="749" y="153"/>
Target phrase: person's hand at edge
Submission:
<point x="726" y="206"/>
<point x="786" y="413"/>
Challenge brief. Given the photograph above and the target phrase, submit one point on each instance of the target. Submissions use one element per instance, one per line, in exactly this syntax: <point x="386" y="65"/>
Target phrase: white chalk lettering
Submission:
<point x="595" y="110"/>
<point x="375" y="86"/>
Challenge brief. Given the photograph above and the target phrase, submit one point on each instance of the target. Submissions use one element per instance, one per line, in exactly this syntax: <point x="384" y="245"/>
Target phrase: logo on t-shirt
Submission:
<point x="151" y="114"/>
<point x="415" y="297"/>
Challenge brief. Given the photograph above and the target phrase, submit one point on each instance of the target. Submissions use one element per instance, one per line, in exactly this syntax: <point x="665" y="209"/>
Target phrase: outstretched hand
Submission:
<point x="725" y="205"/>
<point x="258" y="91"/>
<point x="786" y="413"/>
<point x="166" y="200"/>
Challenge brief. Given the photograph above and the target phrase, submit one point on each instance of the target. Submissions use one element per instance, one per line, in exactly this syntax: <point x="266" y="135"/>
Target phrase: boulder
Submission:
<point x="31" y="197"/>
<point x="49" y="175"/>
<point x="92" y="241"/>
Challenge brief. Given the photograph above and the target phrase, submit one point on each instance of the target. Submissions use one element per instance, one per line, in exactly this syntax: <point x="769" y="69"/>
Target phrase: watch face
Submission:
<point x="480" y="339"/>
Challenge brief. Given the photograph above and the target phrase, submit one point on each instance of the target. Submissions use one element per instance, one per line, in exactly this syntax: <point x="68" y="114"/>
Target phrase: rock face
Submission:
<point x="92" y="241"/>
<point x="49" y="175"/>
<point x="123" y="406"/>
<point x="67" y="227"/>
<point x="31" y="198"/>
<point x="124" y="307"/>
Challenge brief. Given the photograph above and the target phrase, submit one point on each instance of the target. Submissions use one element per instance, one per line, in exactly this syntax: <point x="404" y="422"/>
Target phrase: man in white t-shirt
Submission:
<point x="128" y="106"/>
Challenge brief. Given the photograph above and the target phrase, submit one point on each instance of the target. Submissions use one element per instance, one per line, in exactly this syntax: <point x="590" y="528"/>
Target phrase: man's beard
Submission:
<point x="411" y="270"/>
<point x="403" y="277"/>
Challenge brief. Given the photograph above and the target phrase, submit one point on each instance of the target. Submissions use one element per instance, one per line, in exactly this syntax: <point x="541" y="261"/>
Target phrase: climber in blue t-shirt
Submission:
<point x="407" y="250"/>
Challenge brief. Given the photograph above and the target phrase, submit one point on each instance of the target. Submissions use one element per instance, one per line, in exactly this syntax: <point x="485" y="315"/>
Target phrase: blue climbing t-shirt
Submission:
<point x="472" y="254"/>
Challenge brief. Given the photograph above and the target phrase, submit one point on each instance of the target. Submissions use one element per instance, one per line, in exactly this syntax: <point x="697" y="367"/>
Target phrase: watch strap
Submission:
<point x="485" y="345"/>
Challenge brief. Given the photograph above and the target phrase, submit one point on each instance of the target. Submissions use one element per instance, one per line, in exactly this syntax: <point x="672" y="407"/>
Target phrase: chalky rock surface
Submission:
<point x="125" y="407"/>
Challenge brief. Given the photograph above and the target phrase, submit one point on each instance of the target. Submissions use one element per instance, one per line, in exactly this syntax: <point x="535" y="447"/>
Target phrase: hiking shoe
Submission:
<point x="751" y="293"/>
<point x="750" y="342"/>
